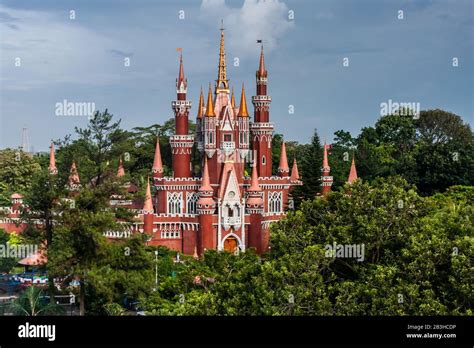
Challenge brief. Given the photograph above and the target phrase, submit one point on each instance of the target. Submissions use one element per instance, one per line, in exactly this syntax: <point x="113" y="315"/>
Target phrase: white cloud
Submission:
<point x="52" y="49"/>
<point x="256" y="19"/>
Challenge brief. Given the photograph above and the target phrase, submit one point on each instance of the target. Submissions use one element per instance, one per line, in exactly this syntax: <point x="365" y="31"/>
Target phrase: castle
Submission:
<point x="223" y="209"/>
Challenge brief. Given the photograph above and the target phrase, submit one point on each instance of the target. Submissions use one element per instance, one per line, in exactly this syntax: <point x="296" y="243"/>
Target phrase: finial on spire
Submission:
<point x="243" y="104"/>
<point x="210" y="104"/>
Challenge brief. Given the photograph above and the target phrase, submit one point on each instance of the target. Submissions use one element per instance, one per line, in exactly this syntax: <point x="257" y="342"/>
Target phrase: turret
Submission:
<point x="206" y="206"/>
<point x="181" y="142"/>
<point x="254" y="207"/>
<point x="262" y="128"/>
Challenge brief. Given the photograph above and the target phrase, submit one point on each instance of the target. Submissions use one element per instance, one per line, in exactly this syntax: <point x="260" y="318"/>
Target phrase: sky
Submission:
<point x="47" y="57"/>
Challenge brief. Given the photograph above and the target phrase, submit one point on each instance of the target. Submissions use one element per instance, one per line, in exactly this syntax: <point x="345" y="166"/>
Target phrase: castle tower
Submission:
<point x="52" y="161"/>
<point x="254" y="207"/>
<point x="206" y="207"/>
<point x="353" y="172"/>
<point x="182" y="142"/>
<point x="262" y="128"/>
<point x="326" y="179"/>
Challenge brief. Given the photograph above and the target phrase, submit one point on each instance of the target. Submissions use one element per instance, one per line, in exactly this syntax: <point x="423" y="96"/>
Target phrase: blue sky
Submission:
<point x="82" y="60"/>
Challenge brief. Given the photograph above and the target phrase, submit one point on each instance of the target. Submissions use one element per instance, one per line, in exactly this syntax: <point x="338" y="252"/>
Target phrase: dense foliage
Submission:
<point x="415" y="227"/>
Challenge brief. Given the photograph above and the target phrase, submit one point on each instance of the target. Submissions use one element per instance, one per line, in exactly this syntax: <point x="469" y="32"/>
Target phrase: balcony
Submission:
<point x="228" y="146"/>
<point x="228" y="222"/>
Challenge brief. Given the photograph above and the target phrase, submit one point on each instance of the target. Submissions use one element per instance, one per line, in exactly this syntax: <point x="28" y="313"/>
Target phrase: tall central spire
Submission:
<point x="222" y="84"/>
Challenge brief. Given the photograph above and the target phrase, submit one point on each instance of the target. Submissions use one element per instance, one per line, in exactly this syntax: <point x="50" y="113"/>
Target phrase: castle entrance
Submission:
<point x="230" y="244"/>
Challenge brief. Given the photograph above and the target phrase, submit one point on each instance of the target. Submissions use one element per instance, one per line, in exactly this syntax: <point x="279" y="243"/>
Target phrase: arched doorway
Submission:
<point x="230" y="244"/>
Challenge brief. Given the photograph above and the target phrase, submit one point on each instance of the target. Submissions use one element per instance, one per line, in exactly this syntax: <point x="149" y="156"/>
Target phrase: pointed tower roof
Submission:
<point x="222" y="84"/>
<point x="181" y="79"/>
<point x="325" y="156"/>
<point x="210" y="104"/>
<point x="283" y="168"/>
<point x="52" y="160"/>
<point x="206" y="181"/>
<point x="261" y="68"/>
<point x="157" y="168"/>
<point x="232" y="99"/>
<point x="73" y="176"/>
<point x="148" y="205"/>
<point x="121" y="170"/>
<point x="294" y="171"/>
<point x="243" y="104"/>
<point x="353" y="172"/>
<point x="201" y="105"/>
<point x="254" y="185"/>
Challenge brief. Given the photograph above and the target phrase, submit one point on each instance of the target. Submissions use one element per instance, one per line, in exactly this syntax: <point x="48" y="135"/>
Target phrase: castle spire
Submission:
<point x="261" y="68"/>
<point x="243" y="104"/>
<point x="232" y="99"/>
<point x="181" y="82"/>
<point x="121" y="170"/>
<point x="325" y="156"/>
<point x="210" y="104"/>
<point x="353" y="172"/>
<point x="254" y="185"/>
<point x="157" y="163"/>
<point x="201" y="105"/>
<point x="73" y="180"/>
<point x="148" y="206"/>
<point x="52" y="161"/>
<point x="222" y="84"/>
<point x="283" y="169"/>
<point x="294" y="171"/>
<point x="206" y="181"/>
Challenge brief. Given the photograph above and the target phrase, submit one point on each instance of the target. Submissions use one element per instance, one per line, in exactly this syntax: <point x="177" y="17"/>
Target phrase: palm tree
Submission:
<point x="30" y="304"/>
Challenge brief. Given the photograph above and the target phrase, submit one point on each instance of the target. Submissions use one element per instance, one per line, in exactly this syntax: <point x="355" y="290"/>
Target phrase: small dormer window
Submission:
<point x="227" y="137"/>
